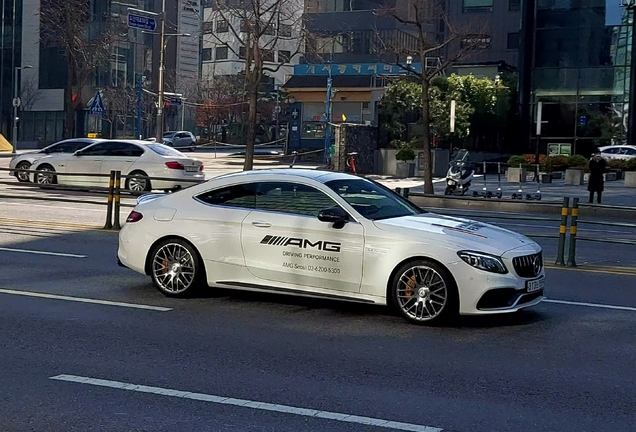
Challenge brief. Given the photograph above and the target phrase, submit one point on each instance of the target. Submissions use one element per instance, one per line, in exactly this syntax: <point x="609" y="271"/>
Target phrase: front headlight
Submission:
<point x="482" y="261"/>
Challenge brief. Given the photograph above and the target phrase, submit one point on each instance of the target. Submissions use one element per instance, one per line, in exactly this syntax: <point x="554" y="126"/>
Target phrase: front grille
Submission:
<point x="528" y="266"/>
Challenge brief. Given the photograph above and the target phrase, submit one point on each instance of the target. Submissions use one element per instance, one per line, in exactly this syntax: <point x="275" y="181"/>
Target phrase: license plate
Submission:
<point x="535" y="285"/>
<point x="192" y="168"/>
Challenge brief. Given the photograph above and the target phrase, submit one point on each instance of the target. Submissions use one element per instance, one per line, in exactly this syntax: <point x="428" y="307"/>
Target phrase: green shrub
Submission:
<point x="559" y="163"/>
<point x="406" y="154"/>
<point x="515" y="161"/>
<point x="577" y="161"/>
<point x="618" y="164"/>
<point x="630" y="164"/>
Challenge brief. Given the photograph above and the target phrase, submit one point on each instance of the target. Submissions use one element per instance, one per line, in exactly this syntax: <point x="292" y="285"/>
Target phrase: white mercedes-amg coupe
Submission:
<point x="329" y="235"/>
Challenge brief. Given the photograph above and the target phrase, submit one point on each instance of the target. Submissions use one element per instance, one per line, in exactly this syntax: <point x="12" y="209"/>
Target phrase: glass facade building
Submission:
<point x="581" y="72"/>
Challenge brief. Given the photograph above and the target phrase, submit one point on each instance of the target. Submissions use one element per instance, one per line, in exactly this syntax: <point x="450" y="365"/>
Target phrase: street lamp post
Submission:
<point x="16" y="105"/>
<point x="328" y="119"/>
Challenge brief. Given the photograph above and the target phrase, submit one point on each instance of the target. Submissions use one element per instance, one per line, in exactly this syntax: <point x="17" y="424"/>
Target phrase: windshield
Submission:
<point x="372" y="200"/>
<point x="164" y="150"/>
<point x="168" y="134"/>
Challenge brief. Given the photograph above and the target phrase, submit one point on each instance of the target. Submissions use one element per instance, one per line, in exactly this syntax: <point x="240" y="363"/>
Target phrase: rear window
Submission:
<point x="164" y="150"/>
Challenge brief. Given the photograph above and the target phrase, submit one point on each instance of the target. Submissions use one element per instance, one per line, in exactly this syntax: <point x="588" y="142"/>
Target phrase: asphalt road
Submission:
<point x="561" y="366"/>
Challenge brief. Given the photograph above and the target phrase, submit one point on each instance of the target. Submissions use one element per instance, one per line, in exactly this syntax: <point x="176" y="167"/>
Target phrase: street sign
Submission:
<point x="97" y="107"/>
<point x="142" y="22"/>
<point x="16" y="102"/>
<point x="175" y="101"/>
<point x="583" y="120"/>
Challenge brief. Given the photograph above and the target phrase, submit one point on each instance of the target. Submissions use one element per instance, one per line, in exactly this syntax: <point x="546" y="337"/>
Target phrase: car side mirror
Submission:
<point x="334" y="215"/>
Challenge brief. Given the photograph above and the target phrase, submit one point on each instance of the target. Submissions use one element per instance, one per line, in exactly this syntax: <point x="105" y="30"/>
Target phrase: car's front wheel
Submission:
<point x="424" y="292"/>
<point x="23" y="176"/>
<point x="176" y="268"/>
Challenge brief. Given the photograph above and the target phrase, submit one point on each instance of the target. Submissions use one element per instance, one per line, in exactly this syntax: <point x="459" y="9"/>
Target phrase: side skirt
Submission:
<point x="271" y="289"/>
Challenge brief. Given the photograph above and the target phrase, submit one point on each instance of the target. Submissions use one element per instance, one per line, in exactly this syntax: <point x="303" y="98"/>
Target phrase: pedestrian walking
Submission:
<point x="596" y="183"/>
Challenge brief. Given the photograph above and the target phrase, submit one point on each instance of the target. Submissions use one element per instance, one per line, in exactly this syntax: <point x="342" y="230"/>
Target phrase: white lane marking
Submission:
<point x="307" y="412"/>
<point x="84" y="300"/>
<point x="42" y="252"/>
<point x="55" y="207"/>
<point x="595" y="305"/>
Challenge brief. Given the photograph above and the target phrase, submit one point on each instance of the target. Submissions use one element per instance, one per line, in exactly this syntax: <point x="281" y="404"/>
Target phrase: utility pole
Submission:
<point x="16" y="105"/>
<point x="140" y="102"/>
<point x="328" y="119"/>
<point x="162" y="49"/>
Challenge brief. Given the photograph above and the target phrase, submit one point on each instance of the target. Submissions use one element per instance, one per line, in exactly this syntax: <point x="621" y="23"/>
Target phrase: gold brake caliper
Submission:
<point x="410" y="286"/>
<point x="166" y="266"/>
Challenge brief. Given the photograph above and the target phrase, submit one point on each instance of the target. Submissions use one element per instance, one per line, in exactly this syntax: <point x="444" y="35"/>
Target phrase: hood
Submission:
<point x="464" y="233"/>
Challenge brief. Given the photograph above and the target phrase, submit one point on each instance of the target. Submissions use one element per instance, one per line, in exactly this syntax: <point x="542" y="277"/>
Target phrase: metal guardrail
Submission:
<point x="568" y="217"/>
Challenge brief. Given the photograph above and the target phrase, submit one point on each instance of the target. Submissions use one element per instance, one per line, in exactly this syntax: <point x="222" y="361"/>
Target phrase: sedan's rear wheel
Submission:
<point x="176" y="268"/>
<point x="44" y="176"/>
<point x="138" y="185"/>
<point x="425" y="293"/>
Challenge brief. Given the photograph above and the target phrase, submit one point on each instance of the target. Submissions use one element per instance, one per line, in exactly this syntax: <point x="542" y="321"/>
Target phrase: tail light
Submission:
<point x="175" y="165"/>
<point x="134" y="217"/>
<point x="201" y="168"/>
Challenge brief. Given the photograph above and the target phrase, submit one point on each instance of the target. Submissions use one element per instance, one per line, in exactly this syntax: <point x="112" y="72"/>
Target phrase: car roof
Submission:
<point x="289" y="173"/>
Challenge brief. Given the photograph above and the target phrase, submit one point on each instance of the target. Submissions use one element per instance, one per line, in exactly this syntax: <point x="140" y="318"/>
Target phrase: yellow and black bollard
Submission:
<point x="560" y="260"/>
<point x="573" y="229"/>
<point x="116" y="224"/>
<point x="109" y="207"/>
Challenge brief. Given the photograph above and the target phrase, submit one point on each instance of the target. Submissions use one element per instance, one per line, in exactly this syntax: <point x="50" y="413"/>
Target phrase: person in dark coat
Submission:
<point x="596" y="182"/>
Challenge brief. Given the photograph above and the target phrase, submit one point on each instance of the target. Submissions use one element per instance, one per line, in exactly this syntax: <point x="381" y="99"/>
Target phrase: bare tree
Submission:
<point x="221" y="100"/>
<point x="255" y="29"/>
<point x="84" y="42"/>
<point x="436" y="47"/>
<point x="120" y="104"/>
<point x="29" y="92"/>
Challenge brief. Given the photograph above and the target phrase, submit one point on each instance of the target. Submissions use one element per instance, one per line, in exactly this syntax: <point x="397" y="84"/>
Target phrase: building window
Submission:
<point x="285" y="30"/>
<point x="337" y="5"/>
<point x="221" y="53"/>
<point x="268" y="55"/>
<point x="313" y="130"/>
<point x="208" y="27"/>
<point x="478" y="5"/>
<point x="514" y="5"/>
<point x="284" y="56"/>
<point x="222" y="26"/>
<point x="513" y="41"/>
<point x="338" y="44"/>
<point x="241" y="53"/>
<point x="206" y="54"/>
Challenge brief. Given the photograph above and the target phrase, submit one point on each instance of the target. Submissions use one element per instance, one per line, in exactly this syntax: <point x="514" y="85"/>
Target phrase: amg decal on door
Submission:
<point x="325" y="246"/>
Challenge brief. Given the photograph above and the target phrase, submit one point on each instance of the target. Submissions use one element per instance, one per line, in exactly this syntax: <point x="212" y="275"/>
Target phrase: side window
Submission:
<point x="133" y="150"/>
<point x="292" y="198"/>
<point x="630" y="151"/>
<point x="242" y="196"/>
<point x="101" y="149"/>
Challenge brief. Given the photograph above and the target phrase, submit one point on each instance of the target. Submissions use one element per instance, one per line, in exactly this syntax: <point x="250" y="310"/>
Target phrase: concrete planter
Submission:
<point x="574" y="177"/>
<point x="630" y="179"/>
<point x="515" y="174"/>
<point x="405" y="169"/>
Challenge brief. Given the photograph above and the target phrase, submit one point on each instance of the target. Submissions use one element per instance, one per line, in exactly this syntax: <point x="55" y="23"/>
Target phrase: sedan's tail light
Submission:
<point x="134" y="217"/>
<point x="175" y="165"/>
<point x="201" y="168"/>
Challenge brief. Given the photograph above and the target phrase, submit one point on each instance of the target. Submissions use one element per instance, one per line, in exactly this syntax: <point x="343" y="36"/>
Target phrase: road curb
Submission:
<point x="49" y="224"/>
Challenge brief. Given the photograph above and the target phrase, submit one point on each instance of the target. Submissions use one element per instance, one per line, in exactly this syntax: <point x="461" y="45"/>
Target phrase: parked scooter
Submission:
<point x="460" y="174"/>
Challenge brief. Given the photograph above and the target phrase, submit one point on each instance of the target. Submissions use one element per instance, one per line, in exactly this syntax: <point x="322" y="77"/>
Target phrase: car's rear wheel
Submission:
<point x="424" y="292"/>
<point x="45" y="176"/>
<point x="23" y="176"/>
<point x="176" y="268"/>
<point x="138" y="185"/>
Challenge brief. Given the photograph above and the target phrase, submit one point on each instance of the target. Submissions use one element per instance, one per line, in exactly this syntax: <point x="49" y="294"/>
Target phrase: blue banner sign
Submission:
<point x="356" y="69"/>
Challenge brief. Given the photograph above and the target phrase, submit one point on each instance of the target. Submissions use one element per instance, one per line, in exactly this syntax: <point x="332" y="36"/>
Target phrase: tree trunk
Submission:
<point x="426" y="139"/>
<point x="251" y="127"/>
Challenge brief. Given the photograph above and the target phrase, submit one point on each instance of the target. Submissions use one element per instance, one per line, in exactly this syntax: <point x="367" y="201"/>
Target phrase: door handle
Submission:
<point x="262" y="224"/>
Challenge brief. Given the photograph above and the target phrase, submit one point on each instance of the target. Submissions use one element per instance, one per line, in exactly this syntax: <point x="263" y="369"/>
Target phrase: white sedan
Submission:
<point x="329" y="235"/>
<point x="25" y="160"/>
<point x="131" y="157"/>
<point x="618" y="152"/>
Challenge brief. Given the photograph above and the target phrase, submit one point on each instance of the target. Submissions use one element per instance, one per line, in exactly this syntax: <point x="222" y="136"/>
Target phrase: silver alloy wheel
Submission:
<point x="136" y="184"/>
<point x="173" y="268"/>
<point x="44" y="177"/>
<point x="422" y="293"/>
<point x="23" y="176"/>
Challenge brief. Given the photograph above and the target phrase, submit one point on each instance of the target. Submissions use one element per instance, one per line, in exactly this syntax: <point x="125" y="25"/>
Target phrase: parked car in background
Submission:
<point x="180" y="140"/>
<point x="131" y="157"/>
<point x="618" y="152"/>
<point x="25" y="160"/>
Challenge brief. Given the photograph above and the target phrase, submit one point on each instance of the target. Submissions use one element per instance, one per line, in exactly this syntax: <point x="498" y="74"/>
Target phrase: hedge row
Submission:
<point x="561" y="163"/>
